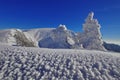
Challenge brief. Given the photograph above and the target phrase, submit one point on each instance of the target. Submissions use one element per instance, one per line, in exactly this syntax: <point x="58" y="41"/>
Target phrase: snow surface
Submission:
<point x="21" y="63"/>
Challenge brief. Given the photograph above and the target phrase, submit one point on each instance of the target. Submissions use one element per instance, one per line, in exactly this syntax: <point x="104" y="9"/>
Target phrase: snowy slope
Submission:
<point x="40" y="33"/>
<point x="7" y="36"/>
<point x="16" y="37"/>
<point x="20" y="63"/>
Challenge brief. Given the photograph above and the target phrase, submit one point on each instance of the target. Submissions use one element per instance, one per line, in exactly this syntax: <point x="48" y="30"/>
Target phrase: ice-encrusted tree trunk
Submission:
<point x="92" y="38"/>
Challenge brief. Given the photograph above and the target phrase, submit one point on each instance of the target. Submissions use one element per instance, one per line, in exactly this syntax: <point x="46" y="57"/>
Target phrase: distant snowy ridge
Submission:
<point x="23" y="63"/>
<point x="112" y="47"/>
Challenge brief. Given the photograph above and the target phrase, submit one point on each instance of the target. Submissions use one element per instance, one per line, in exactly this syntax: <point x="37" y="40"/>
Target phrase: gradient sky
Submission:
<point x="27" y="14"/>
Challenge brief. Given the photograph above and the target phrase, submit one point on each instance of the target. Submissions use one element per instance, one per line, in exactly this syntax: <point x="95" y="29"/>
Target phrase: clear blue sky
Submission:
<point x="27" y="14"/>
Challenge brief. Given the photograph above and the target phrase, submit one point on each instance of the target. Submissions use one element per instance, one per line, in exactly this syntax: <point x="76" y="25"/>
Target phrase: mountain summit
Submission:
<point x="60" y="37"/>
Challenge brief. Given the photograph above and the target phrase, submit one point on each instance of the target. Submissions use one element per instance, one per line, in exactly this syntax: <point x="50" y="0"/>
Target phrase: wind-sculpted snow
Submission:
<point x="18" y="63"/>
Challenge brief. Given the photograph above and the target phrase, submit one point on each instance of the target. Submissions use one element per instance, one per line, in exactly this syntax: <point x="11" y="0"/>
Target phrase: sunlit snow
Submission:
<point x="20" y="63"/>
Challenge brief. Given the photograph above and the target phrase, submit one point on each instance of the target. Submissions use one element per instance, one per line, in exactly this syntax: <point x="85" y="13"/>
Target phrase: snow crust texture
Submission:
<point x="18" y="63"/>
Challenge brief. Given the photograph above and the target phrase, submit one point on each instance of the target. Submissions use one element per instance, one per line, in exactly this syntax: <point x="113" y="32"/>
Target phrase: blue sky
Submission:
<point x="27" y="14"/>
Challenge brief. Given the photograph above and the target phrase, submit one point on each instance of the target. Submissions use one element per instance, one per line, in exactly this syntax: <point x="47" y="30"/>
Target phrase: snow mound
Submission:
<point x="59" y="38"/>
<point x="20" y="63"/>
<point x="62" y="27"/>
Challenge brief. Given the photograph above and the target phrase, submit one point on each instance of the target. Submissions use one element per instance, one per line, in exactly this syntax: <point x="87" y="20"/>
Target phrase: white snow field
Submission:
<point x="22" y="63"/>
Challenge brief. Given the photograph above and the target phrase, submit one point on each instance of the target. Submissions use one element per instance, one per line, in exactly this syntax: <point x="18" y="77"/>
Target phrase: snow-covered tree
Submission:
<point x="91" y="36"/>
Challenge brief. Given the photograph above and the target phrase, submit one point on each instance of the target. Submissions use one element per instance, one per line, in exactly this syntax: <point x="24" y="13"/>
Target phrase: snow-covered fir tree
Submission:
<point x="91" y="37"/>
